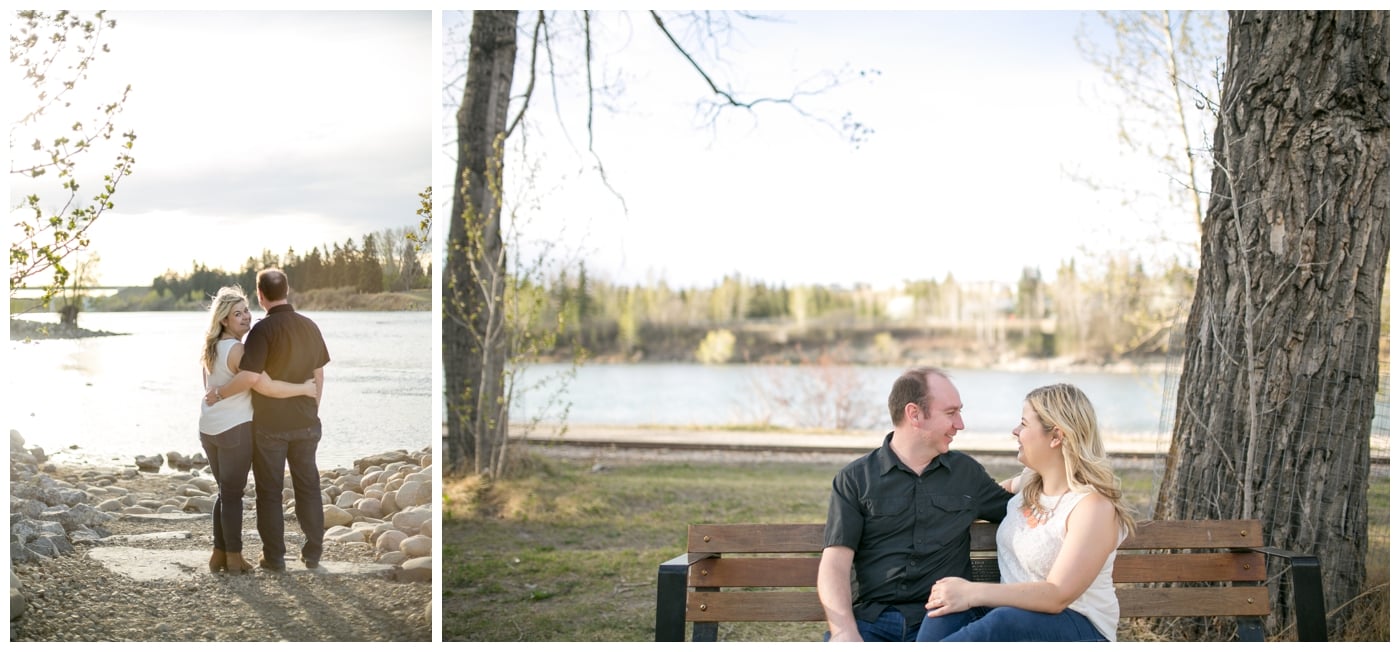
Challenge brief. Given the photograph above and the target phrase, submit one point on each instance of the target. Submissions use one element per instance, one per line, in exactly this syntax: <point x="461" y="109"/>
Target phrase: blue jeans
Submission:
<point x="1009" y="624"/>
<point x="295" y="450"/>
<point x="230" y="456"/>
<point x="888" y="627"/>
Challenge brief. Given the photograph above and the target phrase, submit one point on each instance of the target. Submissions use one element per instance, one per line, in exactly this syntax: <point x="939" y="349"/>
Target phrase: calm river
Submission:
<point x="1128" y="404"/>
<point x="138" y="393"/>
<point x="1132" y="407"/>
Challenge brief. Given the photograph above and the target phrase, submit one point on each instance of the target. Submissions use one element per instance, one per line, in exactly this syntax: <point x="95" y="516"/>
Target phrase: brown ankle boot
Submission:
<point x="237" y="565"/>
<point x="218" y="561"/>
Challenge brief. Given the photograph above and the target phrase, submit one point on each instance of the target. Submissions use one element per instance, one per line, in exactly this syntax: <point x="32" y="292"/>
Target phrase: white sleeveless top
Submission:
<point x="232" y="410"/>
<point x="1026" y="550"/>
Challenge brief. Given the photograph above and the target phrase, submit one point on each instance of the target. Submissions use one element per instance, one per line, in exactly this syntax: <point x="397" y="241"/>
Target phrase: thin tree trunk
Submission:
<point x="1278" y="388"/>
<point x="474" y="346"/>
<point x="1179" y="111"/>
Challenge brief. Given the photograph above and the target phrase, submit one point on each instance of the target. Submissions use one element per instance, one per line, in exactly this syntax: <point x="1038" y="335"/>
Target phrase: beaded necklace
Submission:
<point x="1037" y="515"/>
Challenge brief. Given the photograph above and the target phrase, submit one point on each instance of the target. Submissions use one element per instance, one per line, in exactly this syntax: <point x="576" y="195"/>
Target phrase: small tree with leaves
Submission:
<point x="55" y="53"/>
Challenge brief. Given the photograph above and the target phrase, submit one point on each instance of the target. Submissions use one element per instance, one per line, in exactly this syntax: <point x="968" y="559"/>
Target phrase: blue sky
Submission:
<point x="979" y="118"/>
<point x="276" y="130"/>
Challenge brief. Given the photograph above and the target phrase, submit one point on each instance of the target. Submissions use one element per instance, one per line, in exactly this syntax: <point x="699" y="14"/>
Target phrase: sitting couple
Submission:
<point x="897" y="544"/>
<point x="260" y="412"/>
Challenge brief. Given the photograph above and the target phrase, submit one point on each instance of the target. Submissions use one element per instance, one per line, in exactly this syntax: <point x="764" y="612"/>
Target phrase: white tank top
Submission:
<point x="232" y="410"/>
<point x="1027" y="549"/>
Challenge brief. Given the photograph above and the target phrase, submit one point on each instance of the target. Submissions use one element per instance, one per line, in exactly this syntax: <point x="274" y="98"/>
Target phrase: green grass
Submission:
<point x="562" y="553"/>
<point x="565" y="554"/>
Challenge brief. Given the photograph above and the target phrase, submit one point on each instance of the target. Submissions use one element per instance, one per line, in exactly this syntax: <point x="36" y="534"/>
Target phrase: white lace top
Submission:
<point x="1026" y="549"/>
<point x="232" y="410"/>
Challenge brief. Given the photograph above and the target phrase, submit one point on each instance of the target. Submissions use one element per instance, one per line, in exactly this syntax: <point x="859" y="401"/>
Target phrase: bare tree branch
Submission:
<point x="529" y="86"/>
<point x="855" y="131"/>
<point x="713" y="88"/>
<point x="588" y="70"/>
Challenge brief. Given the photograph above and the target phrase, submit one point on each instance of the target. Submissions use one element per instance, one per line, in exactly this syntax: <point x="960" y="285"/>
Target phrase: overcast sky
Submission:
<point x="979" y="118"/>
<point x="260" y="130"/>
<point x="295" y="129"/>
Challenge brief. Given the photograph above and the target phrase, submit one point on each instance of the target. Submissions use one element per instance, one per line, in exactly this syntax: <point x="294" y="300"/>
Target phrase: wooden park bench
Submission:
<point x="768" y="573"/>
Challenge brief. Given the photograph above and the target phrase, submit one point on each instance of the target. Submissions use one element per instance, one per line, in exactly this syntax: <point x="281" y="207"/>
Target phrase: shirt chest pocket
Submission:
<point x="888" y="507"/>
<point x="948" y="516"/>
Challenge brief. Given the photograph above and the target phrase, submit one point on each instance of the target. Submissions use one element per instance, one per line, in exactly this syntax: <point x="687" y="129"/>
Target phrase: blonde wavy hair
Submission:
<point x="219" y="309"/>
<point x="1065" y="408"/>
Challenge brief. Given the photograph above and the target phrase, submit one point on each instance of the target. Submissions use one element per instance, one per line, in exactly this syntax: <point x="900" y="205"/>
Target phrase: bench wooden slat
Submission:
<point x="1136" y="602"/>
<point x="1130" y="568"/>
<point x="758" y="538"/>
<point x="755" y="571"/>
<point x="753" y="606"/>
<point x="807" y="537"/>
<point x="1152" y="535"/>
<point x="1127" y="569"/>
<point x="790" y="537"/>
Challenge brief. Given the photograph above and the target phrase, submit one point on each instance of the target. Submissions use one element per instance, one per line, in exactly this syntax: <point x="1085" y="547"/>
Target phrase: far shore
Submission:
<point x="23" y="325"/>
<point x="324" y="299"/>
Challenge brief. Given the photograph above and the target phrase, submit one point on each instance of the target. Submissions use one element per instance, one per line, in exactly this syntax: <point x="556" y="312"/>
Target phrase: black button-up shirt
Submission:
<point x="288" y="346"/>
<point x="908" y="531"/>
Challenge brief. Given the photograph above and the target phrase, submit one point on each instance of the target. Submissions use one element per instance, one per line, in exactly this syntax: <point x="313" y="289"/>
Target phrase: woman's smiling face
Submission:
<point x="1032" y="437"/>
<point x="239" y="320"/>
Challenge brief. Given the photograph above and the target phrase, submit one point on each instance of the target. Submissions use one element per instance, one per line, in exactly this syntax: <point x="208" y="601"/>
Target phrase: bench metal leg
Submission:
<point x="1309" y="607"/>
<point x="670" y="599"/>
<point x="1308" y="604"/>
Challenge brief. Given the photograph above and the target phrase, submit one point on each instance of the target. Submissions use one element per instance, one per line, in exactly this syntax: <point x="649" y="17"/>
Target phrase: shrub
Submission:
<point x="716" y="348"/>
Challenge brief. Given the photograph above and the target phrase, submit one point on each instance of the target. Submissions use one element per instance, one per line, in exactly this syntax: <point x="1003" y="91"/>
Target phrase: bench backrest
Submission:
<point x="785" y="556"/>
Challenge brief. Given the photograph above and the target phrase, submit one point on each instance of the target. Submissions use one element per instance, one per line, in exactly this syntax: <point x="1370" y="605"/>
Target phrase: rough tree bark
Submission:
<point x="1278" y="387"/>
<point x="474" y="344"/>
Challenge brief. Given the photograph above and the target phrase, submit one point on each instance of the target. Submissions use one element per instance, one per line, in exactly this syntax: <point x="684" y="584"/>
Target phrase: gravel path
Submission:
<point x="75" y="597"/>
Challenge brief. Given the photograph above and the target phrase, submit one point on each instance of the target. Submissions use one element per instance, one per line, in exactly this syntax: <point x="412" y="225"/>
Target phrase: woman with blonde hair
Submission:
<point x="1056" y="547"/>
<point x="226" y="424"/>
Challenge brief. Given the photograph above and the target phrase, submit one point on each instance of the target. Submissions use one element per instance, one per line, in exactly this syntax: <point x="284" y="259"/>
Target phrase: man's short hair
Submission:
<point x="272" y="284"/>
<point x="911" y="387"/>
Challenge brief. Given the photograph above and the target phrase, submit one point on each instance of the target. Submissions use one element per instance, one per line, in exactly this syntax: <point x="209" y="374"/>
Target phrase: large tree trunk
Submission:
<point x="474" y="343"/>
<point x="1278" y="388"/>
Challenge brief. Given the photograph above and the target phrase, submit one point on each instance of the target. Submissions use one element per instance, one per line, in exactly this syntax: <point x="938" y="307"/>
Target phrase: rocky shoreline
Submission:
<point x="120" y="554"/>
<point x="28" y="329"/>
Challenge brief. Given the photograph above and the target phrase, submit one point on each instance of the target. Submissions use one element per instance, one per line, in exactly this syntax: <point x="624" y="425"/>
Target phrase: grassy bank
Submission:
<point x="346" y="299"/>
<point x="568" y="550"/>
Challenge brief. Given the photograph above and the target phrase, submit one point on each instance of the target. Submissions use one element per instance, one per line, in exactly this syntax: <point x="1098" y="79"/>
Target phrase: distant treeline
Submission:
<point x="1120" y="310"/>
<point x="386" y="261"/>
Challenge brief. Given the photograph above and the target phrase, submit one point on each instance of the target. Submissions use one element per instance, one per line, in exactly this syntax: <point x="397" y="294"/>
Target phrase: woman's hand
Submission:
<point x="950" y="595"/>
<point x="308" y="388"/>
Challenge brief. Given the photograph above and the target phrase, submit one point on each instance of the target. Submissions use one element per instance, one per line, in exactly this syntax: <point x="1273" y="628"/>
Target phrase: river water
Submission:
<point x="1128" y="404"/>
<point x="138" y="393"/>
<point x="1135" y="408"/>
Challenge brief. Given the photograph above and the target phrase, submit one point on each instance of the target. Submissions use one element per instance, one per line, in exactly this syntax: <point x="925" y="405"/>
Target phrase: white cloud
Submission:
<point x="260" y="130"/>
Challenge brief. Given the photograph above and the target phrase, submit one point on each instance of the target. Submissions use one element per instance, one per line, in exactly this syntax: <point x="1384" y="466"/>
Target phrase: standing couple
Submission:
<point x="260" y="411"/>
<point x="897" y="544"/>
